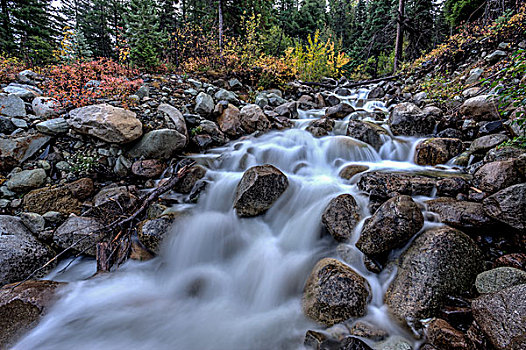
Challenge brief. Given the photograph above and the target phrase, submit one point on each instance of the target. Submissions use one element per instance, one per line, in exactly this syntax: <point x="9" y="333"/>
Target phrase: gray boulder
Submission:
<point x="26" y="180"/>
<point x="367" y="132"/>
<point x="391" y="226"/>
<point x="440" y="262"/>
<point x="508" y="206"/>
<point x="45" y="107"/>
<point x="80" y="233"/>
<point x="253" y="119"/>
<point x="460" y="214"/>
<point x="474" y="75"/>
<point x="12" y="106"/>
<point x="335" y="293"/>
<point x="162" y="143"/>
<point x="225" y="95"/>
<point x="483" y="107"/>
<point x="500" y="278"/>
<point x="495" y="56"/>
<point x="258" y="189"/>
<point x="25" y="92"/>
<point x="6" y="125"/>
<point x="341" y="216"/>
<point x="152" y="232"/>
<point x="500" y="315"/>
<point x="495" y="176"/>
<point x="19" y="149"/>
<point x="339" y="111"/>
<point x="409" y="120"/>
<point x="485" y="143"/>
<point x="20" y="252"/>
<point x="53" y="126"/>
<point x="105" y="122"/>
<point x="176" y="117"/>
<point x="204" y="104"/>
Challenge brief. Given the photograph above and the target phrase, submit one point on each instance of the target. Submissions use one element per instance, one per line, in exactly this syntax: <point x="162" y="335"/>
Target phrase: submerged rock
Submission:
<point x="350" y="170"/>
<point x="341" y="216"/>
<point x="321" y="127"/>
<point x="391" y="226"/>
<point x="334" y="293"/>
<point x="339" y="111"/>
<point x="442" y="261"/>
<point x="258" y="189"/>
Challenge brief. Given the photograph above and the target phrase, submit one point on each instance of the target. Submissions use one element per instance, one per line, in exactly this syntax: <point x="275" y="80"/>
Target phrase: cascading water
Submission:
<point x="223" y="282"/>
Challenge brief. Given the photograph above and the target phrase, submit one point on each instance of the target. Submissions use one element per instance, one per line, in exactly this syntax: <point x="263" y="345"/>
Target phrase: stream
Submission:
<point x="222" y="282"/>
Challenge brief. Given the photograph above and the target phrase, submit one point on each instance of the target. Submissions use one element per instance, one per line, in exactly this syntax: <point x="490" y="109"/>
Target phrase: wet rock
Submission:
<point x="108" y="123"/>
<point x="46" y="107"/>
<point x="262" y="100"/>
<point x="508" y="206"/>
<point x="376" y="92"/>
<point x="391" y="226"/>
<point x="317" y="341"/>
<point x="86" y="232"/>
<point x="339" y="111"/>
<point x="437" y="150"/>
<point x="21" y="308"/>
<point x="19" y="149"/>
<point x="258" y="189"/>
<point x="332" y="100"/>
<point x="444" y="336"/>
<point x="460" y="214"/>
<point x="53" y="126"/>
<point x="204" y="104"/>
<point x="367" y="132"/>
<point x="350" y="170"/>
<point x="440" y="262"/>
<point x="115" y="199"/>
<point x="187" y="183"/>
<point x="162" y="143"/>
<point x="485" y="143"/>
<point x="503" y="153"/>
<point x="352" y="343"/>
<point x="34" y="222"/>
<point x="20" y="252"/>
<point x="516" y="260"/>
<point x="64" y="199"/>
<point x="451" y="187"/>
<point x="208" y="134"/>
<point x="230" y="122"/>
<point x="288" y="110"/>
<point x="341" y="216"/>
<point x="495" y="176"/>
<point x="149" y="168"/>
<point x="334" y="293"/>
<point x="369" y="331"/>
<point x="321" y="127"/>
<point x="253" y="119"/>
<point x="480" y="108"/>
<point x="499" y="278"/>
<point x="385" y="185"/>
<point x="26" y="180"/>
<point x="12" y="106"/>
<point x="501" y="317"/>
<point x="393" y="343"/>
<point x="450" y="133"/>
<point x="409" y="120"/>
<point x="176" y="117"/>
<point x="152" y="232"/>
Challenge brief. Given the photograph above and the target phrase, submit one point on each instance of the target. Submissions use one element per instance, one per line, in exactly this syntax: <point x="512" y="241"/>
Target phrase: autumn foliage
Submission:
<point x="79" y="84"/>
<point x="9" y="68"/>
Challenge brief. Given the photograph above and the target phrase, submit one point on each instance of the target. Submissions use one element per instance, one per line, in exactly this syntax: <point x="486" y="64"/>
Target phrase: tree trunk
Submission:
<point x="220" y="10"/>
<point x="399" y="36"/>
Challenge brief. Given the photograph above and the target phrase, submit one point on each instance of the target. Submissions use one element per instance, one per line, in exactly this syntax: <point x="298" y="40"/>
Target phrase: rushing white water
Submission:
<point x="222" y="282"/>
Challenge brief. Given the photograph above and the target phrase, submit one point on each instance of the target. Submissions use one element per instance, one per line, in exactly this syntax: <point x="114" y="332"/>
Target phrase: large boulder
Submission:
<point x="20" y="252"/>
<point x="176" y="118"/>
<point x="230" y="121"/>
<point x="152" y="232"/>
<point x="408" y="120"/>
<point x="258" y="189"/>
<point x="460" y="214"/>
<point x="253" y="119"/>
<point x="187" y="183"/>
<point x="339" y="111"/>
<point x="162" y="143"/>
<point x="483" y="107"/>
<point x="320" y="127"/>
<point x="24" y="91"/>
<point x="499" y="278"/>
<point x="384" y="185"/>
<point x="53" y="126"/>
<point x="391" y="226"/>
<point x="495" y="176"/>
<point x="367" y="132"/>
<point x="208" y="135"/>
<point x="12" y="106"/>
<point x="108" y="123"/>
<point x="341" y="217"/>
<point x="204" y="104"/>
<point x="508" y="206"/>
<point x="440" y="262"/>
<point x="22" y="306"/>
<point x="46" y="107"/>
<point x="64" y="199"/>
<point x="485" y="143"/>
<point x="81" y="234"/>
<point x="437" y="150"/>
<point x="501" y="317"/>
<point x="26" y="180"/>
<point x="149" y="168"/>
<point x="335" y="293"/>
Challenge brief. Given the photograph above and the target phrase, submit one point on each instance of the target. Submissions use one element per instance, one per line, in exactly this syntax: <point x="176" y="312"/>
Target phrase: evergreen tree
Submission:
<point x="312" y="16"/>
<point x="340" y="19"/>
<point x="94" y="20"/>
<point x="418" y="27"/>
<point x="380" y="32"/>
<point x="143" y="32"/>
<point x="458" y="11"/>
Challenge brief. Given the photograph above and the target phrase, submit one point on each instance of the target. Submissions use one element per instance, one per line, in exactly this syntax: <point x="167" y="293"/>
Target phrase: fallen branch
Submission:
<point x="371" y="81"/>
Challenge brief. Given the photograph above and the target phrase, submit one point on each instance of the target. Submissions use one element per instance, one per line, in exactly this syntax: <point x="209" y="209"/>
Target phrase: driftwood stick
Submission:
<point x="371" y="81"/>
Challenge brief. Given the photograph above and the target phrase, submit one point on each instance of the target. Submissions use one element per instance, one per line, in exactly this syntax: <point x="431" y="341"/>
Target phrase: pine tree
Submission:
<point x="311" y="17"/>
<point x="143" y="32"/>
<point x="340" y="19"/>
<point x="418" y="27"/>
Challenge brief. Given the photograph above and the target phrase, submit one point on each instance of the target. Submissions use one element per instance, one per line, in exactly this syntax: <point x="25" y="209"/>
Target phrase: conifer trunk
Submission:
<point x="399" y="36"/>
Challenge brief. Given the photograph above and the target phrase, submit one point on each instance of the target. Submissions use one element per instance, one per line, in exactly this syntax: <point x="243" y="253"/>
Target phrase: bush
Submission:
<point x="9" y="68"/>
<point x="79" y="84"/>
<point x="317" y="59"/>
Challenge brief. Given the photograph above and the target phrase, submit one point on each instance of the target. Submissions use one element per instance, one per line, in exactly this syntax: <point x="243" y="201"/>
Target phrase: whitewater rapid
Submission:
<point x="223" y="282"/>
